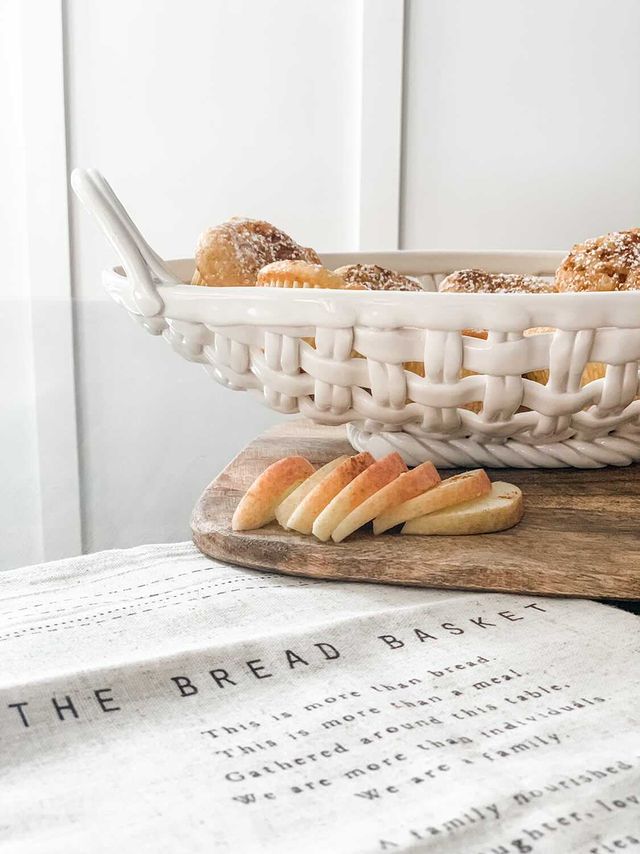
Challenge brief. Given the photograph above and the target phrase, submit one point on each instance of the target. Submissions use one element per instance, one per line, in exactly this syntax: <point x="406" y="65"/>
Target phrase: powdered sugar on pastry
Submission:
<point x="371" y="277"/>
<point x="607" y="263"/>
<point x="479" y="281"/>
<point x="233" y="252"/>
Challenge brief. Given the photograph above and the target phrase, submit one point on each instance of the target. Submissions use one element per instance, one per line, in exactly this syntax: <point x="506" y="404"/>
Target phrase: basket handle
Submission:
<point x="145" y="269"/>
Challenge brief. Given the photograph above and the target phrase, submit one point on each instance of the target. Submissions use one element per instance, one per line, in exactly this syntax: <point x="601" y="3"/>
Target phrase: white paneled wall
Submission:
<point x="196" y="112"/>
<point x="19" y="480"/>
<point x="207" y="108"/>
<point x="522" y="122"/>
<point x="435" y="123"/>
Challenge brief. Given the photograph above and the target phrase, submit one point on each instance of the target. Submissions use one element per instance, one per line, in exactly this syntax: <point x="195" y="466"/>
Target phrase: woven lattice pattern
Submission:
<point x="330" y="383"/>
<point x="475" y="404"/>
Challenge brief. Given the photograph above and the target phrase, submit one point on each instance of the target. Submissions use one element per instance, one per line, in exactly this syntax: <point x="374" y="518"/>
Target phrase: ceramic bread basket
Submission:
<point x="261" y="340"/>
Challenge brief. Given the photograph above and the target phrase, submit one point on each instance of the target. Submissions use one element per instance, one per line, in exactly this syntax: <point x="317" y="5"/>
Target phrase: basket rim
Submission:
<point x="277" y="307"/>
<point x="534" y="262"/>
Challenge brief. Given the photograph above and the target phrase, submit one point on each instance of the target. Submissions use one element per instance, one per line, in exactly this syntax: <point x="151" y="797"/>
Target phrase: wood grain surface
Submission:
<point x="580" y="535"/>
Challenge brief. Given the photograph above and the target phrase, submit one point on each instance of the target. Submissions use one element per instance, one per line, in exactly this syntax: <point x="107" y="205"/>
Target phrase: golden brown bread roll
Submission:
<point x="298" y="274"/>
<point x="481" y="282"/>
<point x="233" y="252"/>
<point x="607" y="263"/>
<point x="371" y="277"/>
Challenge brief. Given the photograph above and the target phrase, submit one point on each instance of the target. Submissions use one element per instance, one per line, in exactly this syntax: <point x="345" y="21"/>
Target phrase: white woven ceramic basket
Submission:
<point x="253" y="339"/>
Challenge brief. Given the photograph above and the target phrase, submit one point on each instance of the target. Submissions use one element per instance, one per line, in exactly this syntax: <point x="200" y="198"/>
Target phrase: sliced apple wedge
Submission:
<point x="286" y="507"/>
<point x="362" y="487"/>
<point x="407" y="485"/>
<point x="453" y="490"/>
<point x="257" y="506"/>
<point x="313" y="504"/>
<point x="501" y="509"/>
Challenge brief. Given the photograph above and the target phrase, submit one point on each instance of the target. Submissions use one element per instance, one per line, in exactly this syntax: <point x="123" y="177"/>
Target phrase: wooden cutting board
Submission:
<point x="580" y="535"/>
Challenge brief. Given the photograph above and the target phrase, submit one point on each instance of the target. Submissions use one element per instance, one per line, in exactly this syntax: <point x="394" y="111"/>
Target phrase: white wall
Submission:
<point x="197" y="112"/>
<point x="19" y="484"/>
<point x="522" y="122"/>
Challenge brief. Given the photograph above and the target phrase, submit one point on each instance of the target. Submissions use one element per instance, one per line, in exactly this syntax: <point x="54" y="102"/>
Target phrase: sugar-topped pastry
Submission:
<point x="298" y="274"/>
<point x="481" y="282"/>
<point x="371" y="277"/>
<point x="233" y="252"/>
<point x="607" y="263"/>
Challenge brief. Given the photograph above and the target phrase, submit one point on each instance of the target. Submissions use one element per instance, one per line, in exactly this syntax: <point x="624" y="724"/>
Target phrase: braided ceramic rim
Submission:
<point x="620" y="448"/>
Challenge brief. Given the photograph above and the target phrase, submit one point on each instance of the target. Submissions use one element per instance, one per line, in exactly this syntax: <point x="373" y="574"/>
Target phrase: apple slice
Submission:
<point x="362" y="487"/>
<point x="501" y="509"/>
<point x="453" y="490"/>
<point x="286" y="508"/>
<point x="313" y="504"/>
<point x="258" y="505"/>
<point x="407" y="485"/>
